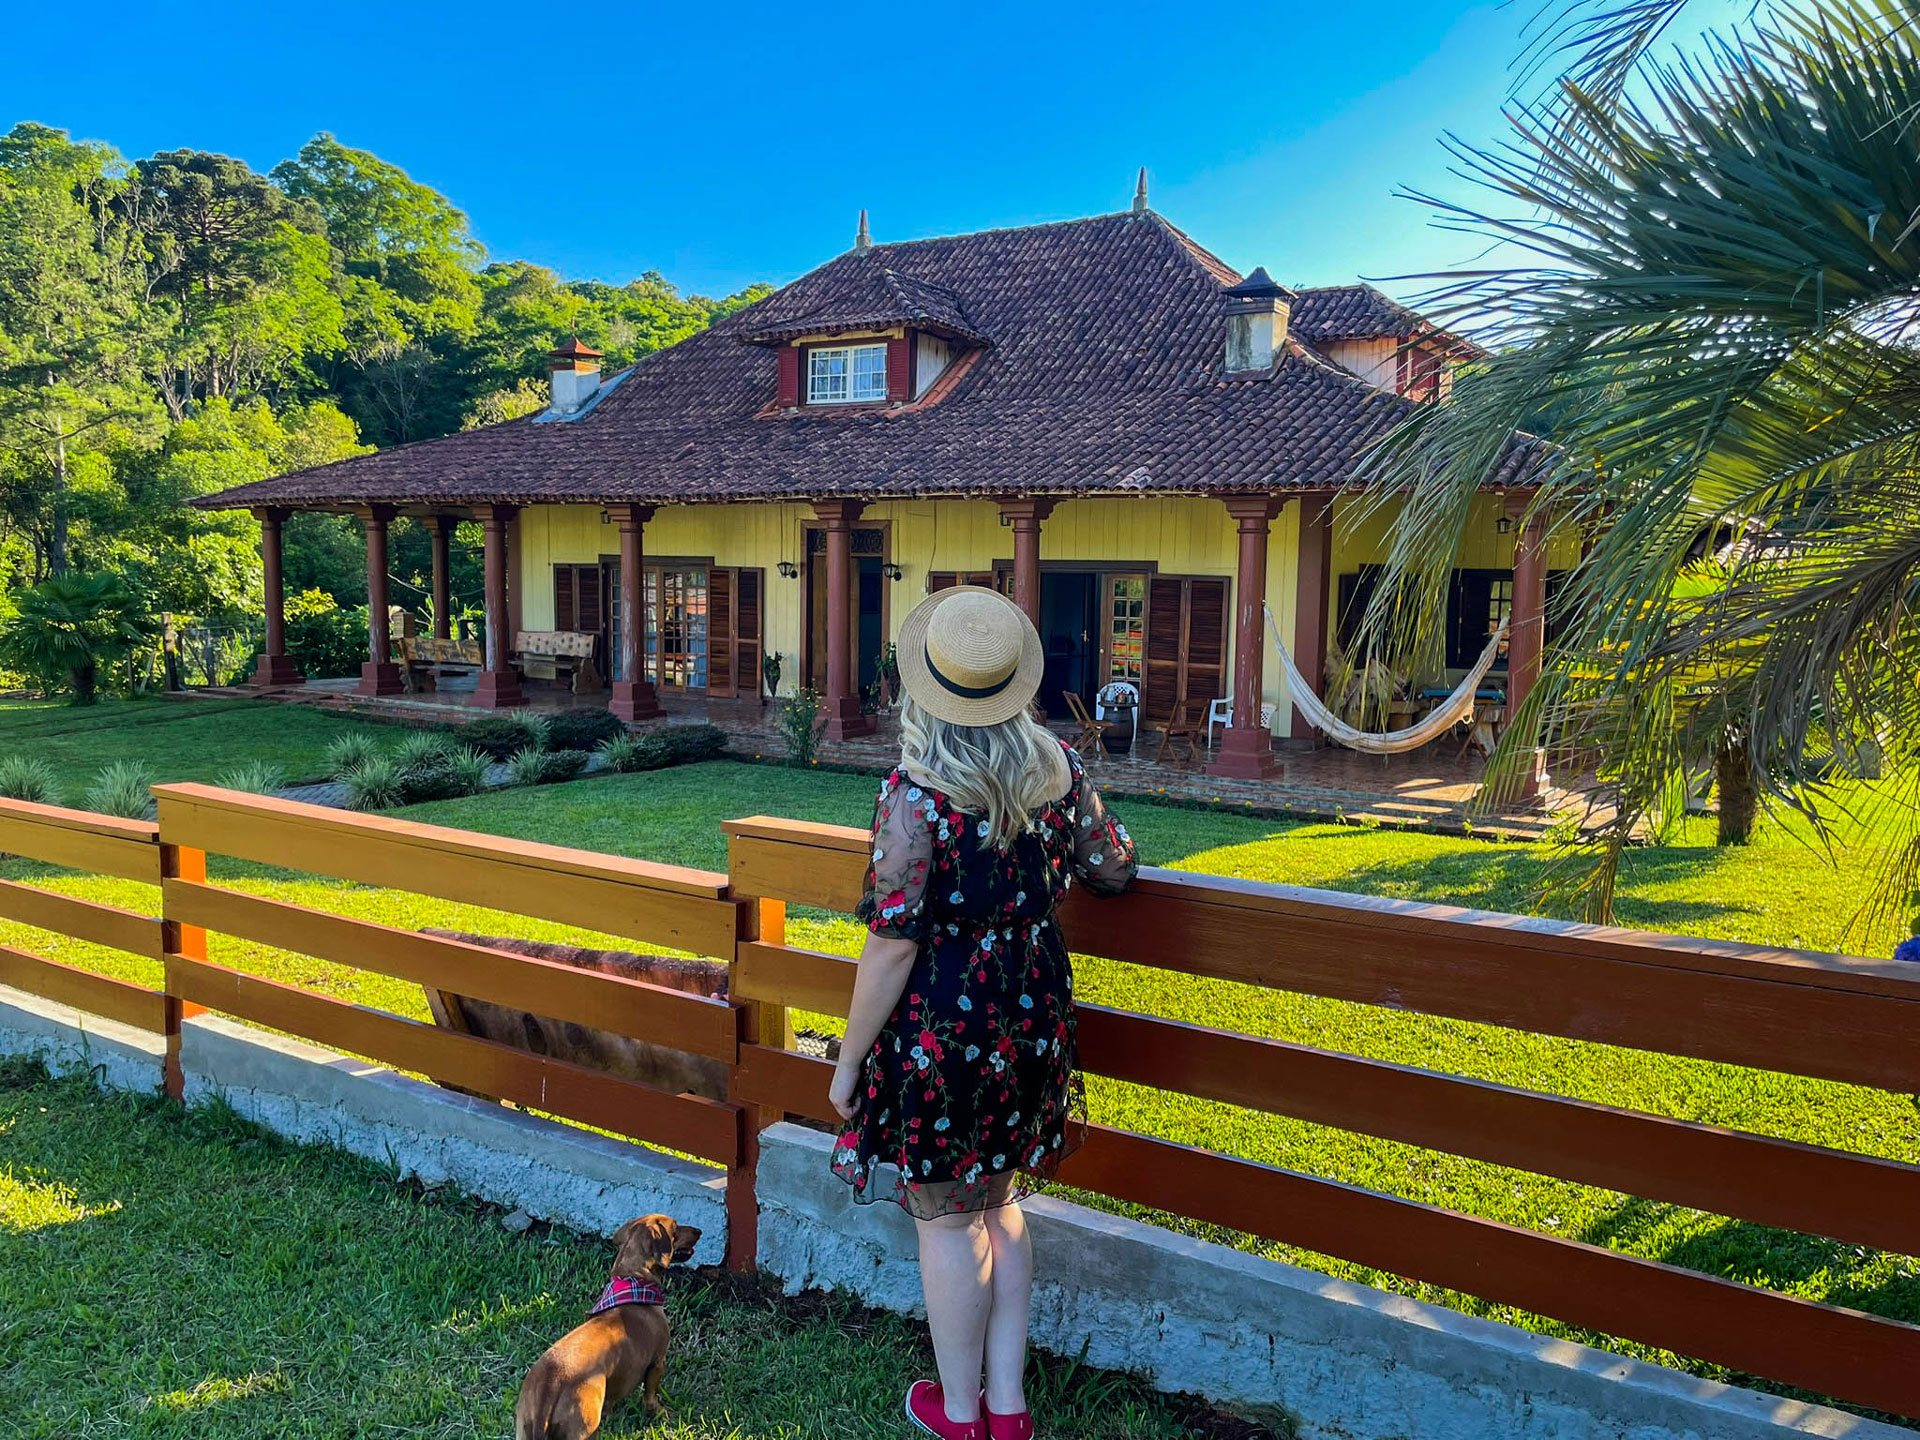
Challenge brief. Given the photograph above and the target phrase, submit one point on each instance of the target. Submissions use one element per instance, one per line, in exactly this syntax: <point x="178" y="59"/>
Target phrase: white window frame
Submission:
<point x="820" y="367"/>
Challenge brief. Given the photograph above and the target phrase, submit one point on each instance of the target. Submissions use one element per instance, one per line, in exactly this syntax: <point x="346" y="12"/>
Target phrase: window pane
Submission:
<point x="870" y="372"/>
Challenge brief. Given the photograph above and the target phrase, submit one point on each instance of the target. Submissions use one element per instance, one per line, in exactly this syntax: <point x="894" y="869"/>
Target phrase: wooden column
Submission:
<point x="1527" y="633"/>
<point x="633" y="696"/>
<point x="844" y="720"/>
<point x="1312" y="570"/>
<point x="1025" y="517"/>
<point x="275" y="666"/>
<point x="498" y="688"/>
<point x="1246" y="748"/>
<point x="442" y="586"/>
<point x="379" y="676"/>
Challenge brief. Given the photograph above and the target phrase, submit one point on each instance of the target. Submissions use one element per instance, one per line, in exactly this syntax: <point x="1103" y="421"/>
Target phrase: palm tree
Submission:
<point x="66" y="628"/>
<point x="1718" y="321"/>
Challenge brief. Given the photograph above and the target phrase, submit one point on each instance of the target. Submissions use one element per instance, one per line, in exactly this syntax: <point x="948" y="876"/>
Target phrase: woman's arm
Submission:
<point x="882" y="974"/>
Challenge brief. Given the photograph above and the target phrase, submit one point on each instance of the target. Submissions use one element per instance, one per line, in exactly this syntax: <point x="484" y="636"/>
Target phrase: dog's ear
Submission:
<point x="633" y="1247"/>
<point x="685" y="1237"/>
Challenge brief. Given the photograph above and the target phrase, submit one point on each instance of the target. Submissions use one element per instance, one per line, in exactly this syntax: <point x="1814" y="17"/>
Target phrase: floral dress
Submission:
<point x="969" y="1093"/>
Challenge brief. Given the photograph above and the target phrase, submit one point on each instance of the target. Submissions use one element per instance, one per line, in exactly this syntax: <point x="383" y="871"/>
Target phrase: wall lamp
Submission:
<point x="1504" y="524"/>
<point x="892" y="571"/>
<point x="789" y="570"/>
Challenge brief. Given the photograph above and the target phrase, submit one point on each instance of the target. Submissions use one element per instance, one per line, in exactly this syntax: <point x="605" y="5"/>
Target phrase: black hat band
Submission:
<point x="968" y="692"/>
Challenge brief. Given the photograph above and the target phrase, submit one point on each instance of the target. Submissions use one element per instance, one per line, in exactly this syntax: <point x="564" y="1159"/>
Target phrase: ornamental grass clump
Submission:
<point x="469" y="768"/>
<point x="421" y="750"/>
<point x="124" y="788"/>
<point x="349" y="753"/>
<point x="527" y="767"/>
<point x="504" y="736"/>
<point x="26" y="777"/>
<point x="375" y="784"/>
<point x="256" y="777"/>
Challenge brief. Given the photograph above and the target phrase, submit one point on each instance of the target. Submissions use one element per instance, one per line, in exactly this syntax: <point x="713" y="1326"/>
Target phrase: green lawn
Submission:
<point x="178" y="739"/>
<point x="169" y="1274"/>
<point x="1777" y="891"/>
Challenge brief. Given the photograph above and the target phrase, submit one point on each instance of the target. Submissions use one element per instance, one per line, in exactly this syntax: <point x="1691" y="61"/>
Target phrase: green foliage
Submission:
<point x="582" y="729"/>
<point x="256" y="777"/>
<point x="770" y="672"/>
<point x="68" y="628"/>
<point x="562" y="765"/>
<point x="350" y="752"/>
<point x="620" y="753"/>
<point x="124" y="788"/>
<point x="422" y="749"/>
<point x="27" y="777"/>
<point x="469" y="769"/>
<point x="323" y="639"/>
<point x="690" y="744"/>
<point x="799" y="721"/>
<point x="527" y="766"/>
<point x="376" y="783"/>
<point x="504" y="736"/>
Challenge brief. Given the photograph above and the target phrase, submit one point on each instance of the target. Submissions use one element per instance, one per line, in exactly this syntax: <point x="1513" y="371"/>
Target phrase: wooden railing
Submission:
<point x="1849" y="1020"/>
<point x="1857" y="1021"/>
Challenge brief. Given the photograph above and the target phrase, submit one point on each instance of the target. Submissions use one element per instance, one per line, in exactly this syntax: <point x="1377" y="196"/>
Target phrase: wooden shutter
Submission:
<point x="563" y="597"/>
<point x="1160" y="688"/>
<point x="720" y="631"/>
<point x="1207" y="621"/>
<point x="588" y="611"/>
<point x="749" y="585"/>
<point x="1186" y="643"/>
<point x="947" y="579"/>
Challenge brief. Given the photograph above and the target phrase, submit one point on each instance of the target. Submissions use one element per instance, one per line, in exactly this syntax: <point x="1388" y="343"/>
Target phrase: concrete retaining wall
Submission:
<point x="1339" y="1361"/>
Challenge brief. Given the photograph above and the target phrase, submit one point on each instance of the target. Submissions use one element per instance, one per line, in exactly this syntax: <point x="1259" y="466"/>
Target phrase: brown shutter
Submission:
<point x="749" y="583"/>
<point x="940" y="580"/>
<point x="900" y="369"/>
<point x="1206" y="674"/>
<point x="1166" y="632"/>
<point x="720" y="631"/>
<point x="586" y="599"/>
<point x="563" y="597"/>
<point x="788" y="391"/>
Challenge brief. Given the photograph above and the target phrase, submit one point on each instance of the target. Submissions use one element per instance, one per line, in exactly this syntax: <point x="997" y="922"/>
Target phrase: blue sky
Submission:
<point x="724" y="144"/>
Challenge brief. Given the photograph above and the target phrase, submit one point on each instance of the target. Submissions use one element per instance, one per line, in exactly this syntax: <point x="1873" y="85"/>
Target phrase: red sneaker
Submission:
<point x="1007" y="1427"/>
<point x="927" y="1408"/>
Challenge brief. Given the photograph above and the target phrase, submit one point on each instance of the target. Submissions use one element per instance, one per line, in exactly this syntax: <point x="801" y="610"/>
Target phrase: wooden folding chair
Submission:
<point x="1087" y="738"/>
<point x="1184" y="724"/>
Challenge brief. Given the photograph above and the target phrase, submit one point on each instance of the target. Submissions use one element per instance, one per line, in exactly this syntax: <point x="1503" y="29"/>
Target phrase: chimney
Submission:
<point x="576" y="376"/>
<point x="863" y="237"/>
<point x="1257" y="311"/>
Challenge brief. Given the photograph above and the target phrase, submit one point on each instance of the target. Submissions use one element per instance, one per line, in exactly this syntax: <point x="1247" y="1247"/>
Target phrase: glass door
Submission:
<point x="677" y="628"/>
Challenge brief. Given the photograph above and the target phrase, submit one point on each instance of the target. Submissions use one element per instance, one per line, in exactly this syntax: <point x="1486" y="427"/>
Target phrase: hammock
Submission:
<point x="1444" y="716"/>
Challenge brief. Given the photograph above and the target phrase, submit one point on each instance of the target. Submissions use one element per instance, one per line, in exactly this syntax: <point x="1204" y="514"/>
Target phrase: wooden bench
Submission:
<point x="562" y="652"/>
<point x="424" y="657"/>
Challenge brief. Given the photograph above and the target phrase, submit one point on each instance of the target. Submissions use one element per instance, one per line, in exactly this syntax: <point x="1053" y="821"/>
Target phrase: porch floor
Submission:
<point x="1429" y="789"/>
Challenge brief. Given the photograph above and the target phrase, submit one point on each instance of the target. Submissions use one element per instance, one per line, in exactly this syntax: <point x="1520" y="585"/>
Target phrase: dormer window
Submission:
<point x="847" y="375"/>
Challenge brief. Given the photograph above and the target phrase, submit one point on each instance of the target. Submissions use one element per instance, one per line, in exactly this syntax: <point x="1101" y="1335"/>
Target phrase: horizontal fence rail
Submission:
<point x="1820" y="1016"/>
<point x="99" y="844"/>
<point x="1719" y="1002"/>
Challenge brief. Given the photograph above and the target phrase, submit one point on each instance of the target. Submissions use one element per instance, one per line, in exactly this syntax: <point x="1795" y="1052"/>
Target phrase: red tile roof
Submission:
<point x="1360" y="312"/>
<point x="1105" y="341"/>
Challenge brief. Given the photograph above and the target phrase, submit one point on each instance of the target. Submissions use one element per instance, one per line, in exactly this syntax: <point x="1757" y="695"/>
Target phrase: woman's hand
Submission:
<point x="845" y="1090"/>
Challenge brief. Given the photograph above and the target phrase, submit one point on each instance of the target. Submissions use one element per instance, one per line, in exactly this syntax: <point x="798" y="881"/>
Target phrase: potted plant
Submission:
<point x="770" y="672"/>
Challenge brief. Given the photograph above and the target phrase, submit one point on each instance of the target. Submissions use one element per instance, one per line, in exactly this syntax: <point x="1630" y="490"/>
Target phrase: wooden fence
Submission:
<point x="1856" y="1021"/>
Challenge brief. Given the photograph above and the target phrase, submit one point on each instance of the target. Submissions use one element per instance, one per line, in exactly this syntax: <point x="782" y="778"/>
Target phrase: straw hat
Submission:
<point x="970" y="656"/>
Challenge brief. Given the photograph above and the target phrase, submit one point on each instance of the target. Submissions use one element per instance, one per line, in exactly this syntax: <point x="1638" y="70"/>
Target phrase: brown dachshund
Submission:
<point x="622" y="1343"/>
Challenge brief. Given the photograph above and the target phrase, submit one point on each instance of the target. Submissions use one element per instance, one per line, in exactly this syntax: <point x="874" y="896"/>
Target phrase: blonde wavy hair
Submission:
<point x="1004" y="772"/>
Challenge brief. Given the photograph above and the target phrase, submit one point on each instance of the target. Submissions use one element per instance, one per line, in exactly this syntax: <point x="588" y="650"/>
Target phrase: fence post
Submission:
<point x="770" y="1025"/>
<point x="188" y="942"/>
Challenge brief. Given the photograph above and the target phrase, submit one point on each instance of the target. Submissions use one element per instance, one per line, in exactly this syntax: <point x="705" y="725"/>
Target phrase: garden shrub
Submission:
<point x="26" y="777"/>
<point x="323" y="639"/>
<point x="469" y="767"/>
<point x="421" y="749"/>
<point x="563" y="765"/>
<point x="528" y="766"/>
<point x="582" y="729"/>
<point x="799" y="721"/>
<point x="620" y="752"/>
<point x="437" y="781"/>
<point x="503" y="736"/>
<point x="123" y="788"/>
<point x="69" y="630"/>
<point x="690" y="744"/>
<point x="374" y="784"/>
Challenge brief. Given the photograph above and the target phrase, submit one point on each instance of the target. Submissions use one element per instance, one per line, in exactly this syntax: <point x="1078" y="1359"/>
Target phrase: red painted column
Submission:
<point x="1246" y="747"/>
<point x="844" y="720"/>
<point x="442" y="585"/>
<point x="1527" y="633"/>
<point x="1311" y="573"/>
<point x="498" y="688"/>
<point x="1025" y="516"/>
<point x="275" y="666"/>
<point x="379" y="676"/>
<point x="633" y="694"/>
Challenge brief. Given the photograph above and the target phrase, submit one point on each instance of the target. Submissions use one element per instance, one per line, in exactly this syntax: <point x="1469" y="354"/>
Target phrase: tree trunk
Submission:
<point x="57" y="540"/>
<point x="1733" y="777"/>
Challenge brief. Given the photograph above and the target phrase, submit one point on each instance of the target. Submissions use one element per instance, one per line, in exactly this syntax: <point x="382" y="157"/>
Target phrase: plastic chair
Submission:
<point x="1220" y="712"/>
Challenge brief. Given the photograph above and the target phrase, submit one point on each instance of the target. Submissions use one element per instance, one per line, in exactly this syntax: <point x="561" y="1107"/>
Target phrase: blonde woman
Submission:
<point x="956" y="1078"/>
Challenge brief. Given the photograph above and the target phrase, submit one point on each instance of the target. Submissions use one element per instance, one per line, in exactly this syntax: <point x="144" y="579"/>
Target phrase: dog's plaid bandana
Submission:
<point x="628" y="1290"/>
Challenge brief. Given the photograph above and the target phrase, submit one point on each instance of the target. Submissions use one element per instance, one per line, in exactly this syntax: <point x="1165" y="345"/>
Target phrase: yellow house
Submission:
<point x="1099" y="417"/>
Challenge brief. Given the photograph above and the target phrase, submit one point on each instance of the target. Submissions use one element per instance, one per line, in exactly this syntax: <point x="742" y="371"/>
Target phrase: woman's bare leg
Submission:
<point x="1006" y="1349"/>
<point x="956" y="1271"/>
